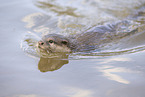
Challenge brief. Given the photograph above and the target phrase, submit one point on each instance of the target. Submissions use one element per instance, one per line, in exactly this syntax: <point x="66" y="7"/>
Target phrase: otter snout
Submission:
<point x="40" y="43"/>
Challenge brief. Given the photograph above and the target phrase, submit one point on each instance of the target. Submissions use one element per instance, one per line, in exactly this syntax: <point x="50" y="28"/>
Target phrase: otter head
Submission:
<point x="55" y="43"/>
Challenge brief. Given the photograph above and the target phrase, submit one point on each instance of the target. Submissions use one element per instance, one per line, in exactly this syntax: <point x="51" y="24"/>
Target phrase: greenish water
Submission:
<point x="116" y="71"/>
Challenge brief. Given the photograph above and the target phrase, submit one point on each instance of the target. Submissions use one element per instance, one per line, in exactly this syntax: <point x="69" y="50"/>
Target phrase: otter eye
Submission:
<point x="64" y="42"/>
<point x="50" y="41"/>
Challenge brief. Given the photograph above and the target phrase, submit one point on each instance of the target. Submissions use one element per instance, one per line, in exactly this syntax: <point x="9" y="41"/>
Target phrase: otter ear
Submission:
<point x="64" y="42"/>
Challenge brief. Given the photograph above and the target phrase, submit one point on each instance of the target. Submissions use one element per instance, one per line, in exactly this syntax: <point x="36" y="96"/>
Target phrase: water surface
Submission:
<point x="117" y="71"/>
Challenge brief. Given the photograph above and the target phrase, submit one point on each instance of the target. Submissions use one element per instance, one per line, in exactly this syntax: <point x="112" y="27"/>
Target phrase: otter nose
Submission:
<point x="40" y="43"/>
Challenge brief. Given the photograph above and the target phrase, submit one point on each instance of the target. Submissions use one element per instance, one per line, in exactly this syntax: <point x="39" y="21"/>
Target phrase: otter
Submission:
<point x="86" y="41"/>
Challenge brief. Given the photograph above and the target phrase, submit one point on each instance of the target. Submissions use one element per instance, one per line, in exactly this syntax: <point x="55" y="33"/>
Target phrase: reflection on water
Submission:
<point x="60" y="10"/>
<point x="51" y="64"/>
<point x="114" y="73"/>
<point x="86" y="8"/>
<point x="110" y="73"/>
<point x="36" y="22"/>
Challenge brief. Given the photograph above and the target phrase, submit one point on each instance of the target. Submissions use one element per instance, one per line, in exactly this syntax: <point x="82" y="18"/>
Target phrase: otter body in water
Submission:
<point x="86" y="41"/>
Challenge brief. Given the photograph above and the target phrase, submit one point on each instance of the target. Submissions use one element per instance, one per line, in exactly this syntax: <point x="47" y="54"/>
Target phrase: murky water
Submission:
<point x="116" y="69"/>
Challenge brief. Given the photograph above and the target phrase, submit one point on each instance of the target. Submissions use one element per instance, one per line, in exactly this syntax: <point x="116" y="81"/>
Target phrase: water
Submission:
<point x="115" y="71"/>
